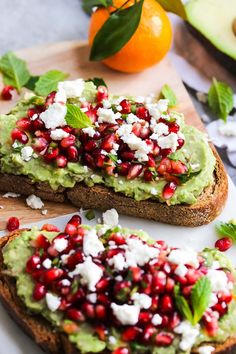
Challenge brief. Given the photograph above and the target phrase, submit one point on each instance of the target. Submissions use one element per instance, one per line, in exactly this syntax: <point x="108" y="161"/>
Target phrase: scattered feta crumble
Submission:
<point x="110" y="217"/>
<point x="207" y="349"/>
<point x="53" y="302"/>
<point x="118" y="261"/>
<point x="142" y="301"/>
<point x="58" y="134"/>
<point x="54" y="116"/>
<point x="26" y="153"/>
<point x="34" y="202"/>
<point x="60" y="244"/>
<point x="90" y="131"/>
<point x="65" y="282"/>
<point x="181" y="270"/>
<point x="70" y="89"/>
<point x="92" y="298"/>
<point x="156" y="320"/>
<point x="47" y="263"/>
<point x="11" y="195"/>
<point x="218" y="279"/>
<point x="184" y="256"/>
<point x="169" y="141"/>
<point x="107" y="115"/>
<point x="189" y="334"/>
<point x="91" y="244"/>
<point x="126" y="314"/>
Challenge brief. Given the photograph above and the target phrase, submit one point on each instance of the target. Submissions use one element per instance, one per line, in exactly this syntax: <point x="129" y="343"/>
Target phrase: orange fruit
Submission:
<point x="149" y="44"/>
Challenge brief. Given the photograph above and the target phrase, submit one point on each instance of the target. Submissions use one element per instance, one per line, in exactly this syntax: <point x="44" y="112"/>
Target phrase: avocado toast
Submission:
<point x="108" y="289"/>
<point x="98" y="150"/>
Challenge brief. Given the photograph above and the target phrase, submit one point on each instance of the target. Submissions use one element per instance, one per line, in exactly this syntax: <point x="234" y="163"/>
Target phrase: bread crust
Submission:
<point x="207" y="208"/>
<point x="40" y="330"/>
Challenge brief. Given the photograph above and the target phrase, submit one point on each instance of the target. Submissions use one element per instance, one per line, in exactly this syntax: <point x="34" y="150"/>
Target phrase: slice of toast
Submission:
<point x="40" y="330"/>
<point x="207" y="208"/>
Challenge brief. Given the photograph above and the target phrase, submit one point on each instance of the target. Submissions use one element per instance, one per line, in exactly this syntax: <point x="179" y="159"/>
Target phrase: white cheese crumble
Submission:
<point x="184" y="256"/>
<point x="159" y="128"/>
<point x="189" y="334"/>
<point x="91" y="244"/>
<point x="228" y="129"/>
<point x="168" y="142"/>
<point x="92" y="298"/>
<point x="126" y="314"/>
<point x="58" y="134"/>
<point x="106" y="104"/>
<point x="90" y="131"/>
<point x="110" y="217"/>
<point x="90" y="273"/>
<point x="207" y="349"/>
<point x="142" y="301"/>
<point x="65" y="282"/>
<point x="118" y="262"/>
<point x="26" y="153"/>
<point x="213" y="300"/>
<point x="218" y="279"/>
<point x="11" y="195"/>
<point x="71" y="89"/>
<point x="60" y="244"/>
<point x="153" y="191"/>
<point x="107" y="115"/>
<point x="139" y="253"/>
<point x="47" y="263"/>
<point x="156" y="320"/>
<point x="181" y="270"/>
<point x="132" y="118"/>
<point x="156" y="109"/>
<point x="54" y="116"/>
<point x="53" y="302"/>
<point x="34" y="202"/>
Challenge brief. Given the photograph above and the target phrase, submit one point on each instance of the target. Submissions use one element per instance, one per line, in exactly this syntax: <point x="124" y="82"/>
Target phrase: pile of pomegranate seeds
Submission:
<point x="109" y="280"/>
<point x="125" y="140"/>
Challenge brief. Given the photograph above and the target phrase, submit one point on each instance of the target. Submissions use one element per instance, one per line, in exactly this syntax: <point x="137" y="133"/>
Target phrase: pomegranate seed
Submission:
<point x="146" y="283"/>
<point x="126" y="106"/>
<point x="50" y="99"/>
<point x="61" y="161"/>
<point x="13" y="224"/>
<point x="173" y="127"/>
<point x="107" y="142"/>
<point x="165" y="152"/>
<point x="17" y="134"/>
<point x="136" y="274"/>
<point x="70" y="229"/>
<point x="33" y="263"/>
<point x="192" y="276"/>
<point x="135" y="171"/>
<point x="166" y="304"/>
<point x="211" y="323"/>
<point x="24" y="124"/>
<point x="100" y="311"/>
<point x="39" y="144"/>
<point x="41" y="242"/>
<point x="75" y="220"/>
<point x="181" y="143"/>
<point x="143" y="113"/>
<point x="137" y="127"/>
<point x="43" y="134"/>
<point x="178" y="167"/>
<point x="155" y="303"/>
<point x="88" y="309"/>
<point x="118" y="239"/>
<point x="170" y="284"/>
<point x="52" y="274"/>
<point x="148" y="332"/>
<point x="102" y="93"/>
<point x="144" y="317"/>
<point x="148" y="175"/>
<point x="37" y="124"/>
<point x="7" y="93"/>
<point x="102" y="285"/>
<point x="100" y="160"/>
<point x="67" y="129"/>
<point x="89" y="160"/>
<point x="74" y="259"/>
<point x="122" y="290"/>
<point x="144" y="133"/>
<point x="50" y="227"/>
<point x="225" y="297"/>
<point x="90" y="145"/>
<point x="31" y="112"/>
<point x="127" y="155"/>
<point x="75" y="315"/>
<point x="123" y="168"/>
<point x="187" y="290"/>
<point x="169" y="190"/>
<point x="165" y="166"/>
<point x="68" y="141"/>
<point x="151" y="162"/>
<point x="222" y="308"/>
<point x="39" y="291"/>
<point x="164" y="339"/>
<point x="92" y="114"/>
<point x="174" y="321"/>
<point x="131" y="333"/>
<point x="159" y="282"/>
<point x="161" y="245"/>
<point x="224" y="244"/>
<point x="121" y="350"/>
<point x="72" y="153"/>
<point x="51" y="153"/>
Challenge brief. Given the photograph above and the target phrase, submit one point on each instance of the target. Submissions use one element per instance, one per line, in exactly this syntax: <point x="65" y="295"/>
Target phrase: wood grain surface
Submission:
<point x="72" y="57"/>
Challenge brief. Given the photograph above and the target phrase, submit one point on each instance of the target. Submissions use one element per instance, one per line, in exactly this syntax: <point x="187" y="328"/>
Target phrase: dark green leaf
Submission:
<point x="200" y="298"/>
<point x="88" y="5"/>
<point x="182" y="305"/>
<point x="113" y="158"/>
<point x="31" y="83"/>
<point x="98" y="81"/>
<point x="221" y="99"/>
<point x="75" y="118"/>
<point x="227" y="229"/>
<point x="168" y="93"/>
<point x="48" y="82"/>
<point x="175" y="6"/>
<point x="187" y="176"/>
<point x="116" y="31"/>
<point x="14" y="70"/>
<point x="90" y="215"/>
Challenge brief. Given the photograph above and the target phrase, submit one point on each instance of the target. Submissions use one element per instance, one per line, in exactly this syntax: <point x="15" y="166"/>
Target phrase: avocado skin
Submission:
<point x="223" y="59"/>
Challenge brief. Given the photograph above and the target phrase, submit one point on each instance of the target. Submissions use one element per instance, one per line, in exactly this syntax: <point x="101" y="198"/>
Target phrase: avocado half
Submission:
<point x="213" y="22"/>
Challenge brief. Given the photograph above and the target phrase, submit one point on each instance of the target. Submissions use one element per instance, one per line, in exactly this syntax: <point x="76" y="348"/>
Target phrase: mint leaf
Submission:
<point x="227" y="229"/>
<point x="48" y="82"/>
<point x="168" y="93"/>
<point x="31" y="83"/>
<point x="75" y="118"/>
<point x="98" y="81"/>
<point x="90" y="214"/>
<point x="182" y="305"/>
<point x="116" y="31"/>
<point x="88" y="5"/>
<point x="200" y="298"/>
<point x="220" y="99"/>
<point x="175" y="6"/>
<point x="187" y="176"/>
<point x="14" y="70"/>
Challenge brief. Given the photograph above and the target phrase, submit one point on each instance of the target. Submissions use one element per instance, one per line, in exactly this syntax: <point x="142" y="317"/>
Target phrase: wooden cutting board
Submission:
<point x="72" y="57"/>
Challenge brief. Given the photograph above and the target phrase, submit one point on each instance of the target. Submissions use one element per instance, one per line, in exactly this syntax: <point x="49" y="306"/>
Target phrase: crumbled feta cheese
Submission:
<point x="184" y="256"/>
<point x="54" y="116"/>
<point x="11" y="195"/>
<point x="153" y="191"/>
<point x="106" y="104"/>
<point x="194" y="166"/>
<point x="228" y="129"/>
<point x="110" y="217"/>
<point x="58" y="134"/>
<point x="34" y="116"/>
<point x="53" y="302"/>
<point x="206" y="349"/>
<point x="90" y="131"/>
<point x="107" y="115"/>
<point x="126" y="314"/>
<point x="60" y="244"/>
<point x="181" y="270"/>
<point x="65" y="257"/>
<point x="141" y="156"/>
<point x="142" y="301"/>
<point x="91" y="243"/>
<point x="65" y="282"/>
<point x="60" y="96"/>
<point x="16" y="144"/>
<point x="139" y="252"/>
<point x="90" y="273"/>
<point x="112" y="340"/>
<point x="92" y="298"/>
<point x="213" y="300"/>
<point x="189" y="334"/>
<point x="218" y="279"/>
<point x="156" y="109"/>
<point x="119" y="108"/>
<point x="72" y="88"/>
<point x="44" y="212"/>
<point x="26" y="153"/>
<point x="156" y="320"/>
<point x="168" y="142"/>
<point x="118" y="262"/>
<point x="34" y="202"/>
<point x="125" y="129"/>
<point x="132" y="118"/>
<point x="159" y="128"/>
<point x="47" y="263"/>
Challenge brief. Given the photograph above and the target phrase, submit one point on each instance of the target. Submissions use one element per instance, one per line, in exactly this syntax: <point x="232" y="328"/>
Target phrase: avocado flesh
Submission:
<point x="211" y="21"/>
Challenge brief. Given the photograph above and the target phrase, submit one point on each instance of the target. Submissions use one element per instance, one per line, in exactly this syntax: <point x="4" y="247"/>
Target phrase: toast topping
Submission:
<point x="117" y="282"/>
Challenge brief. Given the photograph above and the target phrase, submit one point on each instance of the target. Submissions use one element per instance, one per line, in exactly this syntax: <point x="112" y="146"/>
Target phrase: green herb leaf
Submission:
<point x="89" y="4"/>
<point x="14" y="70"/>
<point x="187" y="176"/>
<point x="113" y="158"/>
<point x="220" y="99"/>
<point x="182" y="305"/>
<point x="98" y="81"/>
<point x="168" y="93"/>
<point x="31" y="83"/>
<point x="90" y="215"/>
<point x="200" y="298"/>
<point x="175" y="6"/>
<point x="48" y="82"/>
<point x="116" y="31"/>
<point x="227" y="229"/>
<point x="75" y="118"/>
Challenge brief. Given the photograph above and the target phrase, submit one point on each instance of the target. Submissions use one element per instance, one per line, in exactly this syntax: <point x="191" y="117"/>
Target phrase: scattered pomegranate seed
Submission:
<point x="24" y="124"/>
<point x="126" y="106"/>
<point x="51" y="153"/>
<point x="61" y="161"/>
<point x="224" y="244"/>
<point x="173" y="127"/>
<point x="143" y="113"/>
<point x="50" y="99"/>
<point x="169" y="190"/>
<point x="50" y="227"/>
<point x="39" y="144"/>
<point x="33" y="263"/>
<point x="7" y="93"/>
<point x="52" y="274"/>
<point x="70" y="229"/>
<point x="39" y="291"/>
<point x="72" y="153"/>
<point x="166" y="304"/>
<point x="19" y="135"/>
<point x="181" y="143"/>
<point x="41" y="242"/>
<point x="37" y="124"/>
<point x="13" y="224"/>
<point x="148" y="175"/>
<point x="130" y="334"/>
<point x="135" y="171"/>
<point x="164" y="339"/>
<point x="102" y="93"/>
<point x="127" y="156"/>
<point x="69" y="141"/>
<point x="75" y="315"/>
<point x="121" y="350"/>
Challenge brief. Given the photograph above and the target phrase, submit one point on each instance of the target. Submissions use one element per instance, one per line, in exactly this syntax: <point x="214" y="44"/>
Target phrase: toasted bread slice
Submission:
<point x="40" y="330"/>
<point x="207" y="208"/>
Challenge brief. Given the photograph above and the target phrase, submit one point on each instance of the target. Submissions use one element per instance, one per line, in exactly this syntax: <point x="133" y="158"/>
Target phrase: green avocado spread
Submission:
<point x="17" y="252"/>
<point x="196" y="153"/>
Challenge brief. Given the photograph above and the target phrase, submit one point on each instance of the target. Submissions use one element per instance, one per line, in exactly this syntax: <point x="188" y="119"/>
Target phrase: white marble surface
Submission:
<point x="25" y="23"/>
